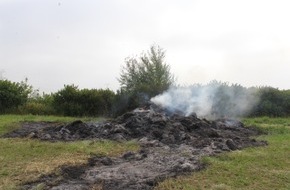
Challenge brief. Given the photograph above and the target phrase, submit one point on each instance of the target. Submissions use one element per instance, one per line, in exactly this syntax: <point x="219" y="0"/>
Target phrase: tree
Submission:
<point x="66" y="101"/>
<point x="13" y="94"/>
<point x="147" y="76"/>
<point x="273" y="102"/>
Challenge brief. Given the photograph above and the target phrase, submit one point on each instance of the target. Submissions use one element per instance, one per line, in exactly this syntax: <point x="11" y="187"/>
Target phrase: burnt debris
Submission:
<point x="171" y="145"/>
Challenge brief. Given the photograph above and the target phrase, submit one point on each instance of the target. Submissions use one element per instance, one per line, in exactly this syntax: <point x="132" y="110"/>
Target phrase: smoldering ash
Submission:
<point x="214" y="100"/>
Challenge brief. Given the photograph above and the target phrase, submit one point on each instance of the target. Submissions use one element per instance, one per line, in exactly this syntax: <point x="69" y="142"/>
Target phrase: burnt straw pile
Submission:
<point x="171" y="145"/>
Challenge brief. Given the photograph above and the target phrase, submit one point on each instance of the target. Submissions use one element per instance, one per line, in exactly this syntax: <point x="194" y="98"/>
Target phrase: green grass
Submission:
<point x="261" y="168"/>
<point x="23" y="160"/>
<point x="270" y="125"/>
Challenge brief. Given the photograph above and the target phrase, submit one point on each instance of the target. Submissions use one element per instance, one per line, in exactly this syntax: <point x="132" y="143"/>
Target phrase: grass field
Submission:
<point x="262" y="168"/>
<point x="23" y="160"/>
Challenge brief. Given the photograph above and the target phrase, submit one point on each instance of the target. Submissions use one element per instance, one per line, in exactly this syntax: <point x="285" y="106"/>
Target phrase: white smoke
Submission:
<point x="209" y="101"/>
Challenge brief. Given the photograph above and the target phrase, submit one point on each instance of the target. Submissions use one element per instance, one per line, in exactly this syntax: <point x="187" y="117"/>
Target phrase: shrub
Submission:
<point x="13" y="94"/>
<point x="71" y="101"/>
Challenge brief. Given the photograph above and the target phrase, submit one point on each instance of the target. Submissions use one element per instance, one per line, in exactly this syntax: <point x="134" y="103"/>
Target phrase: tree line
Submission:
<point x="141" y="78"/>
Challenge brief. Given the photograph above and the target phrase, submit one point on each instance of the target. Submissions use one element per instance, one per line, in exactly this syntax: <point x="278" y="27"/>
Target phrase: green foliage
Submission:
<point x="141" y="79"/>
<point x="38" y="105"/>
<point x="144" y="77"/>
<point x="13" y="94"/>
<point x="273" y="102"/>
<point x="71" y="101"/>
<point x="66" y="101"/>
<point x="149" y="74"/>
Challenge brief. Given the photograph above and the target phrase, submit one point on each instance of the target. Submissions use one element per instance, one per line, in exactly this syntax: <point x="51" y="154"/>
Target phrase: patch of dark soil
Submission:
<point x="50" y="131"/>
<point x="171" y="145"/>
<point x="67" y="178"/>
<point x="30" y="129"/>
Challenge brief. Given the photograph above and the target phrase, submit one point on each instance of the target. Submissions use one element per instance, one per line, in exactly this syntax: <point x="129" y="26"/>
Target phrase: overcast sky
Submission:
<point x="85" y="42"/>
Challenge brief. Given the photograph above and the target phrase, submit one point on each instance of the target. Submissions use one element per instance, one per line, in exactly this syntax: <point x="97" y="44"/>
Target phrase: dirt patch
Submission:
<point x="171" y="145"/>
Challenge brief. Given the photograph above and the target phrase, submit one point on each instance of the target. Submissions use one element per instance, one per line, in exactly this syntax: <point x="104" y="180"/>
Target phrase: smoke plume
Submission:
<point x="211" y="101"/>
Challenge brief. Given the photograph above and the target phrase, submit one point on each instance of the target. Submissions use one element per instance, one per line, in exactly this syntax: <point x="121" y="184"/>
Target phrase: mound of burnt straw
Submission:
<point x="154" y="125"/>
<point x="171" y="145"/>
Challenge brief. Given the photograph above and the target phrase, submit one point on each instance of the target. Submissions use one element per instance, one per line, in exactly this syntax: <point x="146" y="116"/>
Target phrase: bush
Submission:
<point x="273" y="102"/>
<point x="35" y="108"/>
<point x="38" y="105"/>
<point x="13" y="94"/>
<point x="71" y="101"/>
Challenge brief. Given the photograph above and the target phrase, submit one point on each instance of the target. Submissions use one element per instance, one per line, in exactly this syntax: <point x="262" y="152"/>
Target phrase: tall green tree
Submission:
<point x="141" y="78"/>
<point x="147" y="75"/>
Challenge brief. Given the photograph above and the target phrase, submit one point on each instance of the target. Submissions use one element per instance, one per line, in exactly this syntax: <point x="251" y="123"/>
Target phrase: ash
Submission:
<point x="171" y="145"/>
